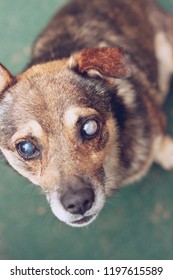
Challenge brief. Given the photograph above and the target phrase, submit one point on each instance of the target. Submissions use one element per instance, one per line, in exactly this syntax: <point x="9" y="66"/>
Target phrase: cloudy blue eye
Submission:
<point x="27" y="150"/>
<point x="89" y="129"/>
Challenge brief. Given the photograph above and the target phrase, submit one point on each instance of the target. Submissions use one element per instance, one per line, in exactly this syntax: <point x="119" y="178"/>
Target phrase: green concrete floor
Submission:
<point x="136" y="223"/>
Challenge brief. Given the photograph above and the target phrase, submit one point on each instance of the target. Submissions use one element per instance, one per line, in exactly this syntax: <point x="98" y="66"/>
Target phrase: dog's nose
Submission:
<point x="78" y="202"/>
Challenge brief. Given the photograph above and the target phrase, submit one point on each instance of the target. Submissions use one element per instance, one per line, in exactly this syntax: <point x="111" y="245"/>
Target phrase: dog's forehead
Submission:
<point x="51" y="87"/>
<point x="48" y="95"/>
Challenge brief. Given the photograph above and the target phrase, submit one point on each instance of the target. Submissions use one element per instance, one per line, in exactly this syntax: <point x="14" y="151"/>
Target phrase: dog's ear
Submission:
<point x="6" y="79"/>
<point x="103" y="62"/>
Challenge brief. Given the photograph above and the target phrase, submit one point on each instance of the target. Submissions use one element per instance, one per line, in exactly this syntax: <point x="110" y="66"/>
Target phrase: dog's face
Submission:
<point x="57" y="129"/>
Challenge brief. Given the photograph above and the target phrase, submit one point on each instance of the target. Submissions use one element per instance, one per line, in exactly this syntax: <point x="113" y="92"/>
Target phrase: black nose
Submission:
<point x="79" y="201"/>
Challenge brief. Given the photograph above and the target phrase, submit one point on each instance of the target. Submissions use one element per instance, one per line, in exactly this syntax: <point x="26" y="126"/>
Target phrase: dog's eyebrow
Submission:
<point x="73" y="113"/>
<point x="32" y="127"/>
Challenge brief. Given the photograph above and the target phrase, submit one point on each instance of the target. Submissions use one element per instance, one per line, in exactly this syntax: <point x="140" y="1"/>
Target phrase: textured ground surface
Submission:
<point x="136" y="223"/>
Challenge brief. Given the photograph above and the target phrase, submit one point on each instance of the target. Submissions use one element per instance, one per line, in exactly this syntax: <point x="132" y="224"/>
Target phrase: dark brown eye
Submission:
<point x="89" y="129"/>
<point x="27" y="149"/>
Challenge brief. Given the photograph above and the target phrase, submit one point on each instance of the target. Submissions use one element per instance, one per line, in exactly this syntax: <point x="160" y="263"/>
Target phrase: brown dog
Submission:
<point x="85" y="117"/>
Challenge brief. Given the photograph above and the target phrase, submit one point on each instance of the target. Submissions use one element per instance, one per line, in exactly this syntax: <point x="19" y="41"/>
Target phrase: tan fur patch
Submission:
<point x="73" y="113"/>
<point x="126" y="91"/>
<point x="164" y="152"/>
<point x="30" y="128"/>
<point x="164" y="54"/>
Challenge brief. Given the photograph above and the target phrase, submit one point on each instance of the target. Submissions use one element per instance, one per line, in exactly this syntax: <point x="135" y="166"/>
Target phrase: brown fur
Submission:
<point x="79" y="73"/>
<point x="113" y="62"/>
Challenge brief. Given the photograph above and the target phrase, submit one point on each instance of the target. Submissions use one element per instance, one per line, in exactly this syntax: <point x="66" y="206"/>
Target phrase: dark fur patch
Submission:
<point x="82" y="25"/>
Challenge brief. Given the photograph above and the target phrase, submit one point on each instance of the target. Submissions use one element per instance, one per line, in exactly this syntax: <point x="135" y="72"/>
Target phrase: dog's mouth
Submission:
<point x="84" y="221"/>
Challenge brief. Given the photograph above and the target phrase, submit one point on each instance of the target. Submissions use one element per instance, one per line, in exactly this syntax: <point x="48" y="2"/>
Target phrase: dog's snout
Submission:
<point x="79" y="201"/>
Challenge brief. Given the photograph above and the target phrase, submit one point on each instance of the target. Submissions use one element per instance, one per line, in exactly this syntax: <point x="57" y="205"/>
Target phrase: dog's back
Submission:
<point x="135" y="25"/>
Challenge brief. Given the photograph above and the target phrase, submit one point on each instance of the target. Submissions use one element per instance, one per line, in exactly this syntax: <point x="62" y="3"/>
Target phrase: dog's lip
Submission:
<point x="84" y="220"/>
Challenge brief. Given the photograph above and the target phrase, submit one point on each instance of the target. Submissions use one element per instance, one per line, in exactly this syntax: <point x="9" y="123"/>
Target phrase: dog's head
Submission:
<point x="58" y="129"/>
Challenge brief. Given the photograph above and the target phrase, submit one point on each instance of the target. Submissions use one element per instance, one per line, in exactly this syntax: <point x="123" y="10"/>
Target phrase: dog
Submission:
<point x="85" y="116"/>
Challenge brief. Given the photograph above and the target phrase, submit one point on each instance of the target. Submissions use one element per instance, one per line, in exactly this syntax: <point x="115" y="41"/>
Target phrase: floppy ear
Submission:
<point x="103" y="62"/>
<point x="6" y="79"/>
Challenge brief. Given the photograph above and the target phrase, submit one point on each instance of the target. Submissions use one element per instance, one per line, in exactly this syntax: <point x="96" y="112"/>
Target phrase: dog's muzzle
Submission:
<point x="77" y="206"/>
